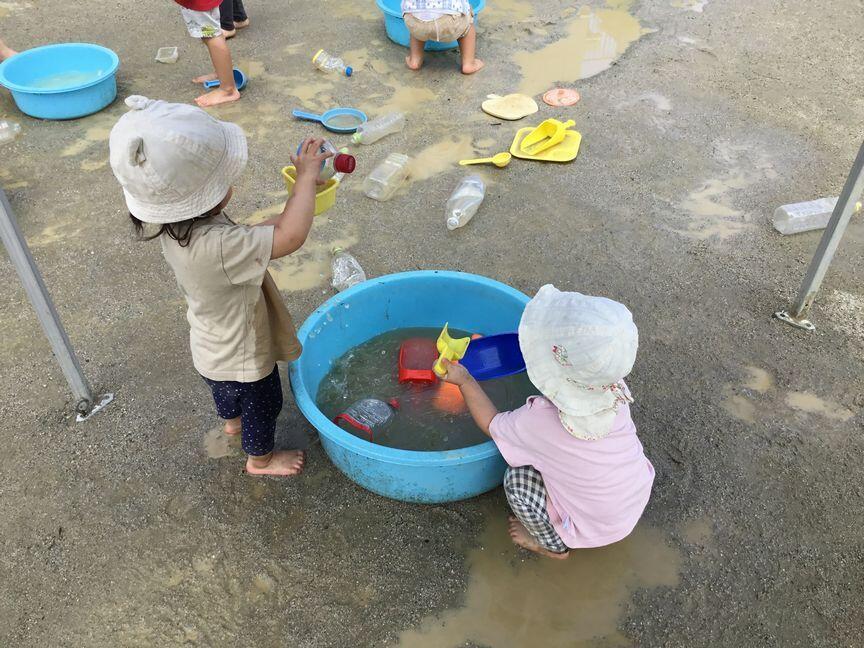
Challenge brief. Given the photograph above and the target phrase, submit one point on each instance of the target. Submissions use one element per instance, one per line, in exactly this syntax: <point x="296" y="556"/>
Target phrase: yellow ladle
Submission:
<point x="500" y="160"/>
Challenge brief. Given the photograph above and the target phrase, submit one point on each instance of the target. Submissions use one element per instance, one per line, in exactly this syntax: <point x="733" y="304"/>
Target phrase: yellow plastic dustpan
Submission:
<point x="450" y="349"/>
<point x="565" y="151"/>
<point x="546" y="135"/>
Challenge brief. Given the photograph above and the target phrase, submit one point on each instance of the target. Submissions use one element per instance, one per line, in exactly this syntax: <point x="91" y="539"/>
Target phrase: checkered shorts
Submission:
<point x="526" y="494"/>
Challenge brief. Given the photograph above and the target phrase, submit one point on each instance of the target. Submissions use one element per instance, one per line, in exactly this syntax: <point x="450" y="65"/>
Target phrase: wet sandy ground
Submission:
<point x="698" y="117"/>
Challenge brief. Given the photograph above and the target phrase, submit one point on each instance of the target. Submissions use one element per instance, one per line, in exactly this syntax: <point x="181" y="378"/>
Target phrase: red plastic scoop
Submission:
<point x="416" y="357"/>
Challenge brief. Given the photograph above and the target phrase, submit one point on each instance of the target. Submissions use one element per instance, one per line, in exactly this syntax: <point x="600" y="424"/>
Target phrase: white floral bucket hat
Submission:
<point x="577" y="350"/>
<point x="174" y="161"/>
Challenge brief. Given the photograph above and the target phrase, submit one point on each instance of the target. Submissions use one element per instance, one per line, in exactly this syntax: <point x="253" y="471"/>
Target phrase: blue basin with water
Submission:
<point x="412" y="299"/>
<point x="398" y="32"/>
<point x="62" y="81"/>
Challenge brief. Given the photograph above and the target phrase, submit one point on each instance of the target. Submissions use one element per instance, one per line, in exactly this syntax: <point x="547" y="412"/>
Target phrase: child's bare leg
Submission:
<point x="279" y="463"/>
<point x="468" y="47"/>
<point x="6" y="51"/>
<point x="414" y="60"/>
<point x="520" y="536"/>
<point x="221" y="57"/>
<point x="233" y="427"/>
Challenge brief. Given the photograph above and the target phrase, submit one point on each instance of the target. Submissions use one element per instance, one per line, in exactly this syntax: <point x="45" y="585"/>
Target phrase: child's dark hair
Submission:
<point x="180" y="231"/>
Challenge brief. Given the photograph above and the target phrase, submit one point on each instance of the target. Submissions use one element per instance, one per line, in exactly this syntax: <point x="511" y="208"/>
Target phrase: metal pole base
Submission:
<point x="106" y="398"/>
<point x="785" y="316"/>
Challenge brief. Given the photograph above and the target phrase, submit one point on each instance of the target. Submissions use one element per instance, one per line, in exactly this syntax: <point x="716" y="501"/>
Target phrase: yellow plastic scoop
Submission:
<point x="450" y="349"/>
<point x="500" y="160"/>
<point x="546" y="135"/>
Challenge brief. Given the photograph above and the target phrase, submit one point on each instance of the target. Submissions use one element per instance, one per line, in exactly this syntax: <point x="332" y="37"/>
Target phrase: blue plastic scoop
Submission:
<point x="336" y="120"/>
<point x="239" y="80"/>
<point x="494" y="356"/>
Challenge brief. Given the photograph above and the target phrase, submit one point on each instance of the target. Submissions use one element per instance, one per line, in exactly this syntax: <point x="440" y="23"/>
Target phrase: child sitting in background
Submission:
<point x="177" y="165"/>
<point x="443" y="21"/>
<point x="578" y="476"/>
<point x="203" y="21"/>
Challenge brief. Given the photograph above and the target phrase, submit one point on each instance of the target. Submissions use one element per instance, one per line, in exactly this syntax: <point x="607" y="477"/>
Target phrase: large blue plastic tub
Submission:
<point x="411" y="299"/>
<point x="61" y="81"/>
<point x="398" y="32"/>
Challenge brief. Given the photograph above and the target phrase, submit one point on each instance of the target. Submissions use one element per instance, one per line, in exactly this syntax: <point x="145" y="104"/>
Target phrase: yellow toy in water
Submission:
<point x="449" y="348"/>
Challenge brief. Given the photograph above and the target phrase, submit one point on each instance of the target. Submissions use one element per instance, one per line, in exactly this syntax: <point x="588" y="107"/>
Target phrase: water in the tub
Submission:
<point x="428" y="416"/>
<point x="66" y="79"/>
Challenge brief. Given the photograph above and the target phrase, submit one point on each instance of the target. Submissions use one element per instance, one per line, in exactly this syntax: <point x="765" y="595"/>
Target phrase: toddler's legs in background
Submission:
<point x="232" y="16"/>
<point x="414" y="60"/>
<point x="531" y="528"/>
<point x="468" y="47"/>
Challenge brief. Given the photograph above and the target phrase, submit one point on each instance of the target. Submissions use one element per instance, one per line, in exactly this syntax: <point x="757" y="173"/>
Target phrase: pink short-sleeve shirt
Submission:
<point x="597" y="490"/>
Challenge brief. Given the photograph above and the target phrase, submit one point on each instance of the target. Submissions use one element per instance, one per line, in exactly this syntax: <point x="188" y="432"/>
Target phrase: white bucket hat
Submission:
<point x="577" y="350"/>
<point x="174" y="161"/>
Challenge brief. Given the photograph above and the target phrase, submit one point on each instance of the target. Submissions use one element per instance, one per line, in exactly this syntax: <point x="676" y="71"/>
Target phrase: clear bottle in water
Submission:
<point x="326" y="62"/>
<point x="465" y="201"/>
<point x="368" y="415"/>
<point x="805" y="216"/>
<point x="372" y="131"/>
<point x="346" y="270"/>
<point x="387" y="177"/>
<point x="8" y="130"/>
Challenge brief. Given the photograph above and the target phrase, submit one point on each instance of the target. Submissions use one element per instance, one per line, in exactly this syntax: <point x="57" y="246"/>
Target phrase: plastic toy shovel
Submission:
<point x="449" y="348"/>
<point x="336" y="120"/>
<point x="494" y="356"/>
<point x="546" y="135"/>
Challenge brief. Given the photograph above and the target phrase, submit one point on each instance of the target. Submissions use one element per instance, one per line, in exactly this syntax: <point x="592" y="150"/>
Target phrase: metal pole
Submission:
<point x="797" y="315"/>
<point x="31" y="279"/>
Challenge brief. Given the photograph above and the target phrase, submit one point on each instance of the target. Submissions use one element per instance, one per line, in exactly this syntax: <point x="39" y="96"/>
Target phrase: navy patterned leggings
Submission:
<point x="257" y="404"/>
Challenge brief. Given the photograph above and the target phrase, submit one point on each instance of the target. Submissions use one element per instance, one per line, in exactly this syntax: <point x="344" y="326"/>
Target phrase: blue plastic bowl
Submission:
<point x="61" y="81"/>
<point x="398" y="32"/>
<point x="411" y="299"/>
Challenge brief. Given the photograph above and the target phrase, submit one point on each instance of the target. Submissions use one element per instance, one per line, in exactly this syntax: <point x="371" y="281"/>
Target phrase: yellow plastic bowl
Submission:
<point x="325" y="195"/>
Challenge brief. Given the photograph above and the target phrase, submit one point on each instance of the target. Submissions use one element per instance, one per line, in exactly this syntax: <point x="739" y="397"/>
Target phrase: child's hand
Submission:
<point x="308" y="161"/>
<point x="455" y="374"/>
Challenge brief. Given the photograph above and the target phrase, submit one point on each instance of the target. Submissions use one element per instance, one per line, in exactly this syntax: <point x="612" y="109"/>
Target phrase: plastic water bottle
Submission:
<point x="368" y="414"/>
<point x="465" y="201"/>
<point x="805" y="216"/>
<point x="346" y="270"/>
<point x="372" y="131"/>
<point x="8" y="130"/>
<point x="341" y="163"/>
<point x="387" y="177"/>
<point x="328" y="63"/>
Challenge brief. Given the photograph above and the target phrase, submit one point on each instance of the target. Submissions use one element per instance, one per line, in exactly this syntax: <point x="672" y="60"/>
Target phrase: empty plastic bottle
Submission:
<point x="387" y="177"/>
<point x="8" y="130"/>
<point x="346" y="270"/>
<point x="372" y="131"/>
<point x="465" y="201"/>
<point x="805" y="216"/>
<point x="341" y="163"/>
<point x="328" y="63"/>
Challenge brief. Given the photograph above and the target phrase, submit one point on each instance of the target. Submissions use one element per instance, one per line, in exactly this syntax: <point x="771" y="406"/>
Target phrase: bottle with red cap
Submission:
<point x="340" y="162"/>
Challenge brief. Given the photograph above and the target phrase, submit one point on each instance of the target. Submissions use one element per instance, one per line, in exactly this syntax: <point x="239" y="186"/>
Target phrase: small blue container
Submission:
<point x="398" y="32"/>
<point x="412" y="299"/>
<point x="62" y="81"/>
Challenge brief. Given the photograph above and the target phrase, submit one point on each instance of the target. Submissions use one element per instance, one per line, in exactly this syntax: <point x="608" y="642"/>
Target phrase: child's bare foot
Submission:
<point x="229" y="33"/>
<point x="281" y="463"/>
<point x="205" y="77"/>
<point x="233" y="427"/>
<point x="6" y="52"/>
<point x="520" y="536"/>
<point x="242" y="24"/>
<point x="470" y="67"/>
<point x="217" y="96"/>
<point x="413" y="62"/>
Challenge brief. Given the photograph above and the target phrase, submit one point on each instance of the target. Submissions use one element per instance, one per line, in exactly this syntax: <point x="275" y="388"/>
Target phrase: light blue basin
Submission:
<point x="412" y="299"/>
<point x="398" y="32"/>
<point x="62" y="81"/>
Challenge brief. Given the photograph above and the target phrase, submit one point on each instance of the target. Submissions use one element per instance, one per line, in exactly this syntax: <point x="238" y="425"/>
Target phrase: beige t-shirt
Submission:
<point x="220" y="273"/>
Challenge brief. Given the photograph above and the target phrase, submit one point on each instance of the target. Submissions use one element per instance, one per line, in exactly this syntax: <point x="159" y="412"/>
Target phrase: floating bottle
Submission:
<point x="465" y="201"/>
<point x="341" y="163"/>
<point x="368" y="415"/>
<point x="328" y="63"/>
<point x="346" y="270"/>
<point x="805" y="216"/>
<point x="387" y="177"/>
<point x="8" y="130"/>
<point x="372" y="131"/>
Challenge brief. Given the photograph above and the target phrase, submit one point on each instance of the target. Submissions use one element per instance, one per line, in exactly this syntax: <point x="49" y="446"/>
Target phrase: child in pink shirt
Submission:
<point x="578" y="476"/>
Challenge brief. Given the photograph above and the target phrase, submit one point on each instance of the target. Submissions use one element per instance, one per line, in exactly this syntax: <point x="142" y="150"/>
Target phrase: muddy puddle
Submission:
<point x="217" y="444"/>
<point x="594" y="40"/>
<point x="810" y="403"/>
<point x="516" y="602"/>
